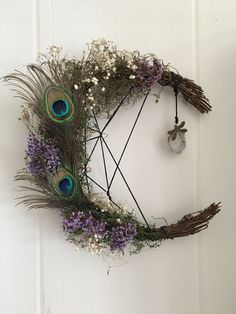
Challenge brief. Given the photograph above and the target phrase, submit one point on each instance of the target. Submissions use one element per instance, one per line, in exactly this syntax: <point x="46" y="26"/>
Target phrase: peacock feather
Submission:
<point x="54" y="104"/>
<point x="58" y="105"/>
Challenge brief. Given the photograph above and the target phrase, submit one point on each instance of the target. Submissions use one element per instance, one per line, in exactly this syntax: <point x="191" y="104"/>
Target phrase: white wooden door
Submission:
<point x="39" y="272"/>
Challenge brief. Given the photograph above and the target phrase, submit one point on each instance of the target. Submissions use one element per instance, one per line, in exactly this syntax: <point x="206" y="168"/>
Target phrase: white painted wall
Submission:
<point x="39" y="272"/>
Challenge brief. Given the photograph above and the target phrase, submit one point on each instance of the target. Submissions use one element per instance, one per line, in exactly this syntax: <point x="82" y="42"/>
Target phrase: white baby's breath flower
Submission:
<point x="94" y="80"/>
<point x="101" y="48"/>
<point x="76" y="86"/>
<point x="132" y="77"/>
<point x="54" y="49"/>
<point x="89" y="90"/>
<point x="87" y="80"/>
<point x="77" y="248"/>
<point x="103" y="89"/>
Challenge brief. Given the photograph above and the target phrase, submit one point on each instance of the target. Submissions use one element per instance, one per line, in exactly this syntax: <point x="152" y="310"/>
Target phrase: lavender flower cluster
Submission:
<point x="117" y="238"/>
<point x="40" y="154"/>
<point x="80" y="221"/>
<point x="148" y="73"/>
<point x="121" y="235"/>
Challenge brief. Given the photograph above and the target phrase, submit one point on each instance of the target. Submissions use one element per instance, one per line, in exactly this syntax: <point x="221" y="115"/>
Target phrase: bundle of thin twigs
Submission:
<point x="191" y="223"/>
<point x="191" y="92"/>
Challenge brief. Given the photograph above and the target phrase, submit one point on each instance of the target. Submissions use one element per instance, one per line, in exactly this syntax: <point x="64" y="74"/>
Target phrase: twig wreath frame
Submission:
<point x="63" y="98"/>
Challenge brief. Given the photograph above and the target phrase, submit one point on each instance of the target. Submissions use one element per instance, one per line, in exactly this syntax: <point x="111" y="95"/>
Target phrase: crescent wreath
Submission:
<point x="63" y="99"/>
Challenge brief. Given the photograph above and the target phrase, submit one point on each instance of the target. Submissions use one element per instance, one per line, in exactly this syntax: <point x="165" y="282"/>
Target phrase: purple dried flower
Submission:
<point x="121" y="235"/>
<point x="87" y="224"/>
<point x="75" y="221"/>
<point x="92" y="226"/>
<point x="41" y="153"/>
<point x="148" y="73"/>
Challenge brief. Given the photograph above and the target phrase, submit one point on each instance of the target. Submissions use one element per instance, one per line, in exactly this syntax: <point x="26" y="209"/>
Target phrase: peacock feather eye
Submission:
<point x="60" y="108"/>
<point x="58" y="104"/>
<point x="64" y="183"/>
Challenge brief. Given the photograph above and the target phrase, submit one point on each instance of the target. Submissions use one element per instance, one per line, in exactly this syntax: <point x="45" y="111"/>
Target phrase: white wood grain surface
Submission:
<point x="40" y="273"/>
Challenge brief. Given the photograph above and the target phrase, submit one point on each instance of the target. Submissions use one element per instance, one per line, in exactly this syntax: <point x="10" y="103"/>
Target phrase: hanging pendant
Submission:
<point x="176" y="138"/>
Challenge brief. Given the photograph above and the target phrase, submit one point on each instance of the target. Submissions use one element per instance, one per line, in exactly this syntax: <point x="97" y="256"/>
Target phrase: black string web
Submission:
<point x="101" y="142"/>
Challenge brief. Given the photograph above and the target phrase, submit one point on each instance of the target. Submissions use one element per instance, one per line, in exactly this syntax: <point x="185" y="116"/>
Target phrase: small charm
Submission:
<point x="176" y="138"/>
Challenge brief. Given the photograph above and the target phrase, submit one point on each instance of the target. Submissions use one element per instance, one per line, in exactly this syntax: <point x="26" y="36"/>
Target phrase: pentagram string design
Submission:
<point x="101" y="141"/>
